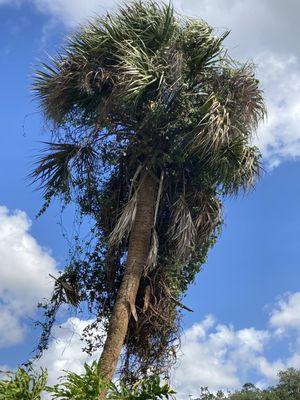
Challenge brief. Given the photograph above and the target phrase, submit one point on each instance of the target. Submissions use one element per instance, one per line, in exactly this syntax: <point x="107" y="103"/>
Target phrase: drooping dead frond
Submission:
<point x="153" y="252"/>
<point x="157" y="329"/>
<point x="209" y="215"/>
<point x="182" y="231"/>
<point x="67" y="292"/>
<point x="125" y="222"/>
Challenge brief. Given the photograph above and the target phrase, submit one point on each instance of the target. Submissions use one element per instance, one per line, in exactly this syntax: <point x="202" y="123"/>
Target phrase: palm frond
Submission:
<point x="125" y="222"/>
<point x="213" y="129"/>
<point x="246" y="98"/>
<point x="71" y="83"/>
<point x="138" y="73"/>
<point x="54" y="169"/>
<point x="239" y="166"/>
<point x="208" y="215"/>
<point x="153" y="252"/>
<point x="200" y="45"/>
<point x="182" y="231"/>
<point x="150" y="24"/>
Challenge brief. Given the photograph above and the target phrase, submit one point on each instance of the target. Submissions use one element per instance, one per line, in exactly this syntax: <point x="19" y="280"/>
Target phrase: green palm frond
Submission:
<point x="150" y="24"/>
<point x="246" y="98"/>
<point x="54" y="168"/>
<point x="208" y="214"/>
<point x="112" y="50"/>
<point x="213" y="129"/>
<point x="199" y="44"/>
<point x="139" y="73"/>
<point x="71" y="83"/>
<point x="238" y="166"/>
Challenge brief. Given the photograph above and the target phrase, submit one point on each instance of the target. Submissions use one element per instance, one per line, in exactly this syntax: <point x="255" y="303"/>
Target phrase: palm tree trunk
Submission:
<point x="138" y="250"/>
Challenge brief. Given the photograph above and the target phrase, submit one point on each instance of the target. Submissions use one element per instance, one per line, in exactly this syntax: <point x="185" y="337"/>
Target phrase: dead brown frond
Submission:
<point x="67" y="292"/>
<point x="153" y="252"/>
<point x="151" y="343"/>
<point x="209" y="215"/>
<point x="182" y="231"/>
<point x="125" y="222"/>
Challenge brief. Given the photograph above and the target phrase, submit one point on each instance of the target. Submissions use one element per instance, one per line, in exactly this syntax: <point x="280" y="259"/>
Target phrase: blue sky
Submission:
<point x="246" y="301"/>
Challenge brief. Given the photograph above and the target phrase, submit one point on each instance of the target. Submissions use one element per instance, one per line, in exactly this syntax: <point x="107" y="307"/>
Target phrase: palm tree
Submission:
<point x="152" y="124"/>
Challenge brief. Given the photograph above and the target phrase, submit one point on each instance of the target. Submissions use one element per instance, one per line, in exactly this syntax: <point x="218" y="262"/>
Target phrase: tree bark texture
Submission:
<point x="138" y="250"/>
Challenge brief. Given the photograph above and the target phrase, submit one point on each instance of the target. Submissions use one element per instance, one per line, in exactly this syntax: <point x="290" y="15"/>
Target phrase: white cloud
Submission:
<point x="286" y="315"/>
<point x="3" y="370"/>
<point x="72" y="12"/>
<point x="11" y="331"/>
<point x="220" y="356"/>
<point x="279" y="138"/>
<point x="217" y="356"/>
<point x="24" y="274"/>
<point x="253" y="24"/>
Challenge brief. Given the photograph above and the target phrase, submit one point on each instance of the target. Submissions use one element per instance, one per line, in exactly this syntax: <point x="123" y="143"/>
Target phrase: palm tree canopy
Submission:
<point x="146" y="89"/>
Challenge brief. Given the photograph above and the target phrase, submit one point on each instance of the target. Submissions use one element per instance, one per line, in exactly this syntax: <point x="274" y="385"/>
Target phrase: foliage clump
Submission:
<point x="88" y="386"/>
<point x="145" y="90"/>
<point x="23" y="385"/>
<point x="30" y="385"/>
<point x="288" y="388"/>
<point x="26" y="384"/>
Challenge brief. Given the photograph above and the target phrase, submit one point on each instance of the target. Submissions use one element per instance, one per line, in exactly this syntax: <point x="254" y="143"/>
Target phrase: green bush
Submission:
<point x="26" y="384"/>
<point x="148" y="389"/>
<point x="30" y="385"/>
<point x="87" y="386"/>
<point x="78" y="387"/>
<point x="23" y="385"/>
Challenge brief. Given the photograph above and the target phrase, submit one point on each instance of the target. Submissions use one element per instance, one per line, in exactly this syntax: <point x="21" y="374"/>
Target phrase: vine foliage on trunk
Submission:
<point x="144" y="91"/>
